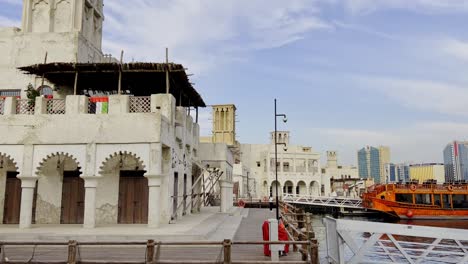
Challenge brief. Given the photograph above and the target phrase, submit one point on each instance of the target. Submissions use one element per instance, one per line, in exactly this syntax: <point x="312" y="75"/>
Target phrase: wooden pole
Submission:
<point x="72" y="252"/>
<point x="119" y="90"/>
<point x="167" y="71"/>
<point x="314" y="254"/>
<point x="76" y="83"/>
<point x="227" y="251"/>
<point x="150" y="251"/>
<point x="43" y="75"/>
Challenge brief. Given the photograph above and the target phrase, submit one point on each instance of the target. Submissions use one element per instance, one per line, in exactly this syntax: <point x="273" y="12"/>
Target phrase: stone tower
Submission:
<point x="224" y="124"/>
<point x="60" y="16"/>
<point x="65" y="30"/>
<point x="281" y="137"/>
<point x="332" y="159"/>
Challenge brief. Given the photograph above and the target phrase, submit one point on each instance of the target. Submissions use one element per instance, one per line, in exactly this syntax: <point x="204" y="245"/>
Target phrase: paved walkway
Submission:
<point x="250" y="221"/>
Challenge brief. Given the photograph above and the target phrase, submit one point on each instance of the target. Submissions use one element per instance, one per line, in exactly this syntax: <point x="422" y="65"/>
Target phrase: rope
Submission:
<point x="78" y="252"/>
<point x="33" y="253"/>
<point x="158" y="252"/>
<point x="218" y="259"/>
<point x="2" y="249"/>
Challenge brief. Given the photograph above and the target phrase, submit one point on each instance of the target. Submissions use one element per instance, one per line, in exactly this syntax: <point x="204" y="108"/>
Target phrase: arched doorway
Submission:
<point x="288" y="187"/>
<point x="126" y="187"/>
<point x="12" y="192"/>
<point x="265" y="189"/>
<point x="301" y="188"/>
<point x="59" y="171"/>
<point x="314" y="188"/>
<point x="273" y="189"/>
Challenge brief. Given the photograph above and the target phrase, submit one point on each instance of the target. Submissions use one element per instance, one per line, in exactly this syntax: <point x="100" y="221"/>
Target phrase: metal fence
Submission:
<point x="2" y="106"/>
<point x="91" y="107"/>
<point x="24" y="107"/>
<point x="140" y="104"/>
<point x="351" y="241"/>
<point x="56" y="107"/>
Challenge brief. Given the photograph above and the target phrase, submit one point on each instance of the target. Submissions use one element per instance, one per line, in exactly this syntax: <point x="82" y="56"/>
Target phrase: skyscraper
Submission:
<point x="384" y="158"/>
<point x="368" y="163"/>
<point x="456" y="161"/>
<point x="371" y="162"/>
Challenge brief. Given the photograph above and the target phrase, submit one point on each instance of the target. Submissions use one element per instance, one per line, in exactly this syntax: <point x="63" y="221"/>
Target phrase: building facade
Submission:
<point x="343" y="179"/>
<point x="384" y="158"/>
<point x="456" y="161"/>
<point x="427" y="171"/>
<point x="135" y="161"/>
<point x="371" y="162"/>
<point x="298" y="168"/>
<point x="396" y="172"/>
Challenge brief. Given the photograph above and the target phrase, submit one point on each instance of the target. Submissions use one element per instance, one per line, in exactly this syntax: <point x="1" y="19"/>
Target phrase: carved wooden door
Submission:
<point x="11" y="209"/>
<point x="133" y="198"/>
<point x="73" y="192"/>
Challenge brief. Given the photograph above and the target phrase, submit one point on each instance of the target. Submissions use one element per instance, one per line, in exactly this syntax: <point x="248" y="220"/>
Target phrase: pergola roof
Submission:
<point x="142" y="79"/>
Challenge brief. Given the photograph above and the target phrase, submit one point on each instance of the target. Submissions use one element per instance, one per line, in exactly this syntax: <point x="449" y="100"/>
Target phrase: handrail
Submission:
<point x="153" y="248"/>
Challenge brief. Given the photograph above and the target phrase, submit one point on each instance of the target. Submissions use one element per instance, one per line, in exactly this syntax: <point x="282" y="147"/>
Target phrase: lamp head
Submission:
<point x="285" y="119"/>
<point x="285" y="148"/>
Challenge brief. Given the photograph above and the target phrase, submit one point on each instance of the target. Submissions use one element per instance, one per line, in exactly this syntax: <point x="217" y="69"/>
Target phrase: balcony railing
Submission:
<point x="90" y="105"/>
<point x="140" y="104"/>
<point x="24" y="107"/>
<point x="2" y="106"/>
<point x="56" y="107"/>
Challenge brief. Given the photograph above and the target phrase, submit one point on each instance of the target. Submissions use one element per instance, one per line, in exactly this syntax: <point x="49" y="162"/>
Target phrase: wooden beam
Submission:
<point x="75" y="86"/>
<point x="119" y="90"/>
<point x="168" y="87"/>
<point x="43" y="75"/>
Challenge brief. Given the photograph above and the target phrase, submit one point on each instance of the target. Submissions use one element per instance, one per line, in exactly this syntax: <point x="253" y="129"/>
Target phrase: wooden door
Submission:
<point x="11" y="208"/>
<point x="133" y="198"/>
<point x="73" y="195"/>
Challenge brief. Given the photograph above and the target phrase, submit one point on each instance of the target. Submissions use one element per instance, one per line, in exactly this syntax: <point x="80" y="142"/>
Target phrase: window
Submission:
<point x="423" y="199"/>
<point x="460" y="201"/>
<point x="404" y="198"/>
<point x="10" y="93"/>
<point x="286" y="166"/>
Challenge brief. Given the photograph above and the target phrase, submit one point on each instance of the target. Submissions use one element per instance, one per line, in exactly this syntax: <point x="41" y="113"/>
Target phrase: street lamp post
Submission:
<point x="276" y="156"/>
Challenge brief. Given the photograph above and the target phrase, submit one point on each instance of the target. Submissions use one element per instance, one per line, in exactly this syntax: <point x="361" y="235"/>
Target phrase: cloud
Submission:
<point x="8" y="22"/>
<point x="417" y="142"/>
<point x="11" y="2"/>
<point x="456" y="48"/>
<point x="424" y="95"/>
<point x="205" y="33"/>
<point x="364" y="29"/>
<point x="420" y="6"/>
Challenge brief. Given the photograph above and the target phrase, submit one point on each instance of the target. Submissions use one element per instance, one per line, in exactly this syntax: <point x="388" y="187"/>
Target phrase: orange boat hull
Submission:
<point x="384" y="198"/>
<point x="410" y="211"/>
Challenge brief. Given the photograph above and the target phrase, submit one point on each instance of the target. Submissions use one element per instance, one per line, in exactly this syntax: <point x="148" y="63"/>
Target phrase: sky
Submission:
<point x="348" y="73"/>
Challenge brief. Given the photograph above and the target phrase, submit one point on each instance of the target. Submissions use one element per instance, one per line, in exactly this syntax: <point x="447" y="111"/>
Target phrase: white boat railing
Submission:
<point x="323" y="201"/>
<point x="350" y="241"/>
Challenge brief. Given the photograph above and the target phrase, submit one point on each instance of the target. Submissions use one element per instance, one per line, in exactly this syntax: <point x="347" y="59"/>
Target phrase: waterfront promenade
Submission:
<point x="239" y="225"/>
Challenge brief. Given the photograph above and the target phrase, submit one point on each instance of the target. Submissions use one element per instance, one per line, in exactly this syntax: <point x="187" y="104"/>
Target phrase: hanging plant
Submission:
<point x="32" y="93"/>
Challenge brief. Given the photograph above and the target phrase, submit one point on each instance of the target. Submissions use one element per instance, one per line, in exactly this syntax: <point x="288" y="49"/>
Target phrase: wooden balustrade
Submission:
<point x="152" y="251"/>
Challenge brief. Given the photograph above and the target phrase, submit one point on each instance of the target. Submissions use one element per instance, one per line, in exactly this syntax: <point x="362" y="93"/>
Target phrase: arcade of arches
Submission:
<point x="121" y="196"/>
<point x="288" y="187"/>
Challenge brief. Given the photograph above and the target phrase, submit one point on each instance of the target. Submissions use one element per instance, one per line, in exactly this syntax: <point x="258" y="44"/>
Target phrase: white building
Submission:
<point x="298" y="167"/>
<point x="64" y="162"/>
<point x="343" y="180"/>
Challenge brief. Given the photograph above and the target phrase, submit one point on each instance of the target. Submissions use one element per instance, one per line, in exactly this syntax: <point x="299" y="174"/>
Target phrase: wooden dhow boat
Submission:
<point x="412" y="200"/>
